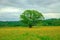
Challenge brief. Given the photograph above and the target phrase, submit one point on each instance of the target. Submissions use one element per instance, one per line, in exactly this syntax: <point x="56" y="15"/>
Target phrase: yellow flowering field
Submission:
<point x="24" y="33"/>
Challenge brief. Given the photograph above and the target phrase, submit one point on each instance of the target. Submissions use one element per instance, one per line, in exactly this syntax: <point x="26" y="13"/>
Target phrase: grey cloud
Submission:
<point x="27" y="3"/>
<point x="35" y="4"/>
<point x="9" y="19"/>
<point x="9" y="16"/>
<point x="45" y="6"/>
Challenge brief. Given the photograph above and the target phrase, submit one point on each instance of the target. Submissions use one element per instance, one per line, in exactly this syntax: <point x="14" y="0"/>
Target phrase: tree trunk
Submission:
<point x="30" y="26"/>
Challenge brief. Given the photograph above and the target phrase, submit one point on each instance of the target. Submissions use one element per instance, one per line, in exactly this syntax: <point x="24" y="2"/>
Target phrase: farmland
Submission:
<point x="24" y="33"/>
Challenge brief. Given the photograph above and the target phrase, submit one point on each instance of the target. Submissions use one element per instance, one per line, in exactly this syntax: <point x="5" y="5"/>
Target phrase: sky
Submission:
<point x="10" y="10"/>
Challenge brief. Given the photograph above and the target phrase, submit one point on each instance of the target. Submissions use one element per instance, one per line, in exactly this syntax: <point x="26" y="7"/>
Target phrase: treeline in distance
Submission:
<point x="47" y="22"/>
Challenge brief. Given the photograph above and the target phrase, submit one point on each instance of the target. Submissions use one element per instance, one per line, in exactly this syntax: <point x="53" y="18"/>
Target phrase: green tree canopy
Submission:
<point x="31" y="17"/>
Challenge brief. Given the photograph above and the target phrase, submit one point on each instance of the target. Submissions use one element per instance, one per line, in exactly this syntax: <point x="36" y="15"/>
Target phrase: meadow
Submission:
<point x="25" y="33"/>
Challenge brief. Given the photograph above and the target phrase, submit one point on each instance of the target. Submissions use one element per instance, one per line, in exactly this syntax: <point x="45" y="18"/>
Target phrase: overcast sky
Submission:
<point x="10" y="10"/>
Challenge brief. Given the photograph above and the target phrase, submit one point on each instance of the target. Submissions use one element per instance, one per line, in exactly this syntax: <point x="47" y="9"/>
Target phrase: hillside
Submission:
<point x="48" y="22"/>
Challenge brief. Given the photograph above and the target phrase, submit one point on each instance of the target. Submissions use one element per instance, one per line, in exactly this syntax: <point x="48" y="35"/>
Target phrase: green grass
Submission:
<point x="42" y="33"/>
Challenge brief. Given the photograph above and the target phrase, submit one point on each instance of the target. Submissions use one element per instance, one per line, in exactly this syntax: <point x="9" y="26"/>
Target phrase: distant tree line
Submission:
<point x="47" y="22"/>
<point x="11" y="23"/>
<point x="50" y="22"/>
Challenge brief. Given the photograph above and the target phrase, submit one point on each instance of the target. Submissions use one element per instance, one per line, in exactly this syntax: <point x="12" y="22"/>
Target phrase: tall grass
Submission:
<point x="18" y="33"/>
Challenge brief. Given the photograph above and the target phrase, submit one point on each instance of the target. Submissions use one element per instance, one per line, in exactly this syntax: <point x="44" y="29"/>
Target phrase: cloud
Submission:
<point x="52" y="15"/>
<point x="10" y="13"/>
<point x="11" y="9"/>
<point x="35" y="4"/>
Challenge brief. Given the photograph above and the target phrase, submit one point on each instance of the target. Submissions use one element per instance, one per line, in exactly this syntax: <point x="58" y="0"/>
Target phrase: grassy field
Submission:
<point x="41" y="33"/>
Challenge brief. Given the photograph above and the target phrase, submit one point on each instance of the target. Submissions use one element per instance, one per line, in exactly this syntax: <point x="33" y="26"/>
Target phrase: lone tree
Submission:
<point x="31" y="17"/>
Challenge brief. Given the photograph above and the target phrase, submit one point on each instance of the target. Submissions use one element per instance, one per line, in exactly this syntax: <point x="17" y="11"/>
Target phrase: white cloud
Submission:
<point x="52" y="15"/>
<point x="10" y="9"/>
<point x="13" y="8"/>
<point x="10" y="13"/>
